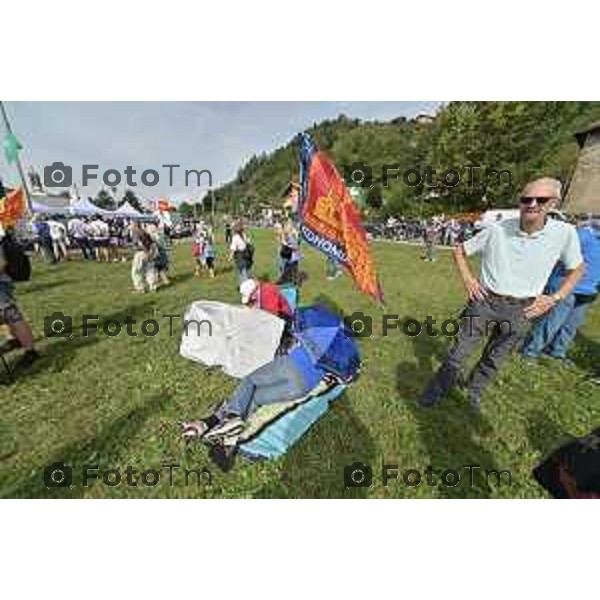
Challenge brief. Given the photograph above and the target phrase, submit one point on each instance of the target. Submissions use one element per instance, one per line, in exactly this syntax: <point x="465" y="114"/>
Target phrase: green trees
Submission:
<point x="133" y="200"/>
<point x="494" y="146"/>
<point x="186" y="210"/>
<point x="104" y="199"/>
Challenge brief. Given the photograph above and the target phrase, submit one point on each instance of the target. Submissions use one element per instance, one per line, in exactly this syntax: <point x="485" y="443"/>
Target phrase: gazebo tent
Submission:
<point x="127" y="211"/>
<point x="86" y="208"/>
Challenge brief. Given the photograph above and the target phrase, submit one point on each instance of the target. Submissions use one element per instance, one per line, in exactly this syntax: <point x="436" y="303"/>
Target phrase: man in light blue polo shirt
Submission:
<point x="517" y="257"/>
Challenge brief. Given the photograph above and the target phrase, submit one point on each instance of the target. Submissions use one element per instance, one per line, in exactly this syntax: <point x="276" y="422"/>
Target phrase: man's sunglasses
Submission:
<point x="528" y="200"/>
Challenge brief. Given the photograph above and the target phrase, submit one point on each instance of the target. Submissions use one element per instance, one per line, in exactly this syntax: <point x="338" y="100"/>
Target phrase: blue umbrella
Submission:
<point x="325" y="339"/>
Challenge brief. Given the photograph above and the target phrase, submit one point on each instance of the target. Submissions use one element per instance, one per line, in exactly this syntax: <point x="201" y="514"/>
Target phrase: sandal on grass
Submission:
<point x="194" y="429"/>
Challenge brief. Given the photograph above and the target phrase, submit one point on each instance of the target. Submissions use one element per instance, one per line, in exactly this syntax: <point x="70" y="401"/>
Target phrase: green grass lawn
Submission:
<point x="118" y="401"/>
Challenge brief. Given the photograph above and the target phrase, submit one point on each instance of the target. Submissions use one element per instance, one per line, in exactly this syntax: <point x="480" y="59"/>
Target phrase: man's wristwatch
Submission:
<point x="556" y="297"/>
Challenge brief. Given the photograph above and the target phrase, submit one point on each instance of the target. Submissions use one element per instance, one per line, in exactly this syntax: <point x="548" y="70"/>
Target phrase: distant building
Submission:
<point x="583" y="194"/>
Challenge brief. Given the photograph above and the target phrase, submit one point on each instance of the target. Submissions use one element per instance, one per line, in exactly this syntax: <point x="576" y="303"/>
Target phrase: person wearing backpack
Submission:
<point x="242" y="252"/>
<point x="14" y="266"/>
<point x="289" y="253"/>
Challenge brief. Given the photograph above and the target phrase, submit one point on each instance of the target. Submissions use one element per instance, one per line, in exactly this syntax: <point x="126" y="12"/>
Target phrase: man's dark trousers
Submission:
<point x="500" y="318"/>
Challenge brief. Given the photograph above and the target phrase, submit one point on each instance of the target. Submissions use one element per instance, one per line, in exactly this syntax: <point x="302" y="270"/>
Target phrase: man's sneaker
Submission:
<point x="228" y="428"/>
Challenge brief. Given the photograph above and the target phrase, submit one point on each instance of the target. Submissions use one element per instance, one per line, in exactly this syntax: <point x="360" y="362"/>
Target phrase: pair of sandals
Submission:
<point x="227" y="429"/>
<point x="220" y="438"/>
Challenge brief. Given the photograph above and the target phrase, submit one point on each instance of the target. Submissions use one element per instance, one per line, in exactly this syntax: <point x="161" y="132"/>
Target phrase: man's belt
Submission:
<point x="510" y="298"/>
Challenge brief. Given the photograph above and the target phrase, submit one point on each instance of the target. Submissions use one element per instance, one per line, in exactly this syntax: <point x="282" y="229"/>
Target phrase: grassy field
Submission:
<point x="117" y="401"/>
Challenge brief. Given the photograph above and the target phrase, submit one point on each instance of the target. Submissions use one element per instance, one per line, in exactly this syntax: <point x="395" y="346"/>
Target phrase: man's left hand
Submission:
<point x="541" y="305"/>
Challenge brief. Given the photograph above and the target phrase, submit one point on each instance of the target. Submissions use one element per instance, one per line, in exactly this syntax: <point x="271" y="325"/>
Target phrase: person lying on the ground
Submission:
<point x="288" y="377"/>
<point x="266" y="296"/>
<point x="11" y="316"/>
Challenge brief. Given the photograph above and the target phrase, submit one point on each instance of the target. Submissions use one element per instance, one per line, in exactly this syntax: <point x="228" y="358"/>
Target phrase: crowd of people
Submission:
<point x="444" y="231"/>
<point x="97" y="238"/>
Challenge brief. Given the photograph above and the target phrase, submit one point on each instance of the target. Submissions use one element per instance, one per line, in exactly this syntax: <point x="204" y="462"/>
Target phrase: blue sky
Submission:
<point x="218" y="136"/>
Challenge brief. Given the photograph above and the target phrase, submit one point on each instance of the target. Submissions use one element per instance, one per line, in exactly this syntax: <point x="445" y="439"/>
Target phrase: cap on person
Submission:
<point x="247" y="288"/>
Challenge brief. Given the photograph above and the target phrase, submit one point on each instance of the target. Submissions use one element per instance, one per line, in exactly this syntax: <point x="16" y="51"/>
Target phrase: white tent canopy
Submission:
<point x="128" y="211"/>
<point x="86" y="208"/>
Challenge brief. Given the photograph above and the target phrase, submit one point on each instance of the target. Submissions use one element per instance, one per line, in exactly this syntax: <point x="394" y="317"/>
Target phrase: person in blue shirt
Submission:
<point x="553" y="333"/>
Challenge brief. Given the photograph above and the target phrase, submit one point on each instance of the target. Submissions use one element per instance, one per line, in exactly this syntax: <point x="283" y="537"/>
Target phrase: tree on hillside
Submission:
<point x="499" y="145"/>
<point x="104" y="200"/>
<point x="133" y="200"/>
<point x="186" y="210"/>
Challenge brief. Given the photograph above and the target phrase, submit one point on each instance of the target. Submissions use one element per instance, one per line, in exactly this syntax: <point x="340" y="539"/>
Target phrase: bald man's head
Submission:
<point x="544" y="187"/>
<point x="538" y="197"/>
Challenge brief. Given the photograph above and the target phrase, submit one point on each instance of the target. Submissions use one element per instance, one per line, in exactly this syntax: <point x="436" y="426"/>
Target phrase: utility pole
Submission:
<point x="19" y="167"/>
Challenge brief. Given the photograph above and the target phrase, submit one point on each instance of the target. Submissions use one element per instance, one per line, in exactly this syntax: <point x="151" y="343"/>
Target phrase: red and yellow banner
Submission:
<point x="330" y="221"/>
<point x="12" y="207"/>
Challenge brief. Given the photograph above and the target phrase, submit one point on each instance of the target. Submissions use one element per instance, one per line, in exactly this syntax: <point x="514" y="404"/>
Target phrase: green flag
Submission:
<point x="11" y="148"/>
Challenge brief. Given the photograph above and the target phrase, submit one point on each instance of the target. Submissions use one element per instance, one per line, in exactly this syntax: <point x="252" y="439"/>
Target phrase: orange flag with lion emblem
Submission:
<point x="330" y="220"/>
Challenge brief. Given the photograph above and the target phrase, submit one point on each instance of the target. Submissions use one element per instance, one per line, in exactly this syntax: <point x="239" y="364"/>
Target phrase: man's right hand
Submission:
<point x="475" y="290"/>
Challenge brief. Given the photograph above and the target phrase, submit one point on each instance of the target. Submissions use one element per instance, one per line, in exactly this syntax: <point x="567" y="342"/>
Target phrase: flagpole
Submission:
<point x="19" y="167"/>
